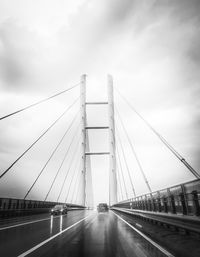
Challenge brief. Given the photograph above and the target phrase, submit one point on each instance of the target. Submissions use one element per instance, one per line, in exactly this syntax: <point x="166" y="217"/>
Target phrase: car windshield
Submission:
<point x="103" y="205"/>
<point x="58" y="207"/>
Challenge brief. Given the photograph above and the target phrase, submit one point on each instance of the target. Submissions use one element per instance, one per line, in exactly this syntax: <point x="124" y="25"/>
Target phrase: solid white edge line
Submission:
<point x="26" y="223"/>
<point x="147" y="238"/>
<point x="51" y="238"/>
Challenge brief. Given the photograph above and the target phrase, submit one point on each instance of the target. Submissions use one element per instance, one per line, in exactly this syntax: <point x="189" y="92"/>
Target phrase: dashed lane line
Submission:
<point x="51" y="238"/>
<point x="26" y="223"/>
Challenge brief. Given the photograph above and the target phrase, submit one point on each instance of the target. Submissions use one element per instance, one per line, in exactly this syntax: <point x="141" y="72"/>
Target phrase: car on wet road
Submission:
<point x="102" y="207"/>
<point x="59" y="209"/>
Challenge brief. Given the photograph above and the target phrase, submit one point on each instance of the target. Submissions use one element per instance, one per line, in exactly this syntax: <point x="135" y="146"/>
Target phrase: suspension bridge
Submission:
<point x="26" y="227"/>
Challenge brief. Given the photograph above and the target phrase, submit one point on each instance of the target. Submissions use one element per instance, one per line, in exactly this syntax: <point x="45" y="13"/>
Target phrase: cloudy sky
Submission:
<point x="152" y="50"/>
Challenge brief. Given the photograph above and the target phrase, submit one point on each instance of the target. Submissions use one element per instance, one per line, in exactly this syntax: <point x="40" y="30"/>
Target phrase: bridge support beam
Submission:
<point x="83" y="138"/>
<point x="112" y="147"/>
<point x="89" y="201"/>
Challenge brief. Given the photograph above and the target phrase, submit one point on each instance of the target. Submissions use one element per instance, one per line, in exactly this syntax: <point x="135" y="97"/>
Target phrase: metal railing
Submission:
<point x="19" y="207"/>
<point x="183" y="199"/>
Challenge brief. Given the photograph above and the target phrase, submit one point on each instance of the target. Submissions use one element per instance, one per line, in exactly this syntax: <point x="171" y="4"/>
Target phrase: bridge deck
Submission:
<point x="79" y="233"/>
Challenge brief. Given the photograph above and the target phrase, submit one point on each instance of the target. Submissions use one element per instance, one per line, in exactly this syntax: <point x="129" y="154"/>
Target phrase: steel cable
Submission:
<point x="75" y="186"/>
<point x="37" y="103"/>
<point x="122" y="174"/>
<point x="163" y="140"/>
<point x="119" y="182"/>
<point x="72" y="159"/>
<point x="38" y="138"/>
<point x="51" y="156"/>
<point x="76" y="169"/>
<point x="65" y="156"/>
<point x="134" y="152"/>
<point x="124" y="157"/>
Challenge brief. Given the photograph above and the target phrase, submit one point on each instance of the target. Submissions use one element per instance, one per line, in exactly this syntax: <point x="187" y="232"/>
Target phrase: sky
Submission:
<point x="151" y="48"/>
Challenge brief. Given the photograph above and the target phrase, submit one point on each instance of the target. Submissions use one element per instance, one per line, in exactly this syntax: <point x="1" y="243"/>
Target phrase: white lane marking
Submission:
<point x="138" y="225"/>
<point x="27" y="223"/>
<point x="51" y="238"/>
<point x="147" y="238"/>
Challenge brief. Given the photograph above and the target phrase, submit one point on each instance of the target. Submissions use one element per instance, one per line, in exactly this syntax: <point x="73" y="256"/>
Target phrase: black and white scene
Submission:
<point x="99" y="128"/>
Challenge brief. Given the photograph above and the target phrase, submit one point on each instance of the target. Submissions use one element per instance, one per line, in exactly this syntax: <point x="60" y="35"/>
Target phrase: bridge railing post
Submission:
<point x="183" y="204"/>
<point x="172" y="203"/>
<point x="159" y="204"/>
<point x="165" y="200"/>
<point x="195" y="199"/>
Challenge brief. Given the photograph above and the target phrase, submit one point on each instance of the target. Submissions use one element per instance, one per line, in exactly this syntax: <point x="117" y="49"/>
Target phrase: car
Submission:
<point x="59" y="209"/>
<point x="102" y="207"/>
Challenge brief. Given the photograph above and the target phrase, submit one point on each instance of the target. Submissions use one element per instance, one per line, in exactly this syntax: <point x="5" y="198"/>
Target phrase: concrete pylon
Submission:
<point x="86" y="181"/>
<point x="83" y="139"/>
<point x="89" y="187"/>
<point x="112" y="146"/>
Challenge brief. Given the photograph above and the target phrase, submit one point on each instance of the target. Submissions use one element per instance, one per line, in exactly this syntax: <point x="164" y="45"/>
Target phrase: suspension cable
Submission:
<point x="134" y="152"/>
<point x="72" y="159"/>
<point x="51" y="155"/>
<point x="76" y="169"/>
<point x="65" y="156"/>
<point x="122" y="174"/>
<point x="75" y="186"/>
<point x="38" y="138"/>
<point x="124" y="157"/>
<point x="39" y="102"/>
<point x="180" y="157"/>
<point x="76" y="198"/>
<point x="119" y="182"/>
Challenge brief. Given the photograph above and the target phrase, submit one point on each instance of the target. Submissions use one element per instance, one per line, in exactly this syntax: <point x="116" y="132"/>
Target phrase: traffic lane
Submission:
<point x="14" y="241"/>
<point x="5" y="222"/>
<point x="20" y="220"/>
<point x="25" y="221"/>
<point x="100" y="235"/>
<point x="145" y="244"/>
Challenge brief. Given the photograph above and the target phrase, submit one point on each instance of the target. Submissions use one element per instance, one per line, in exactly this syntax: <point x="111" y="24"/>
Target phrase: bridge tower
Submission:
<point x="112" y="146"/>
<point x="83" y="137"/>
<point x="86" y="185"/>
<point x="87" y="195"/>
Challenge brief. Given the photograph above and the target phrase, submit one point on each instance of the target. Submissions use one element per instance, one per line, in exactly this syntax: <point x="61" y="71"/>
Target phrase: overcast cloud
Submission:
<point x="150" y="47"/>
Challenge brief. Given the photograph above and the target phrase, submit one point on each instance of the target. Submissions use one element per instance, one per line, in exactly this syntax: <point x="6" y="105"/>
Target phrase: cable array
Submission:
<point x="78" y="177"/>
<point x="76" y="169"/>
<point x="67" y="173"/>
<point x="55" y="148"/>
<point x="125" y="161"/>
<point x="122" y="174"/>
<point x="51" y="155"/>
<point x="76" y="196"/>
<point x="61" y="165"/>
<point x="163" y="140"/>
<point x="119" y="182"/>
<point x="134" y="152"/>
<point x="39" y="138"/>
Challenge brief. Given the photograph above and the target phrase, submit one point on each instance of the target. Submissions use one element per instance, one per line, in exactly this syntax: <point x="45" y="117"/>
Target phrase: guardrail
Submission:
<point x="183" y="199"/>
<point x="186" y="223"/>
<point x="18" y="207"/>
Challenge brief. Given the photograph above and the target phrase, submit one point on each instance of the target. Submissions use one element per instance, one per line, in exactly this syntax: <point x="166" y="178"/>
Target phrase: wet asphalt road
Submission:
<point x="79" y="233"/>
